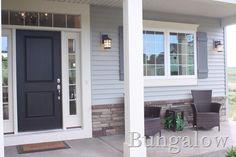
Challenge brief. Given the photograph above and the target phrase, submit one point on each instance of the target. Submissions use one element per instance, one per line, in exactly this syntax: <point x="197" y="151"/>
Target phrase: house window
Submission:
<point x="42" y="19"/>
<point x="5" y="78"/>
<point x="169" y="51"/>
<point x="71" y="76"/>
<point x="154" y="57"/>
<point x="181" y="54"/>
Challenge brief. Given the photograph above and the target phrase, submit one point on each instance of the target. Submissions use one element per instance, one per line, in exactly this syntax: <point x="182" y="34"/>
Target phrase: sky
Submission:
<point x="231" y="45"/>
<point x="4" y="43"/>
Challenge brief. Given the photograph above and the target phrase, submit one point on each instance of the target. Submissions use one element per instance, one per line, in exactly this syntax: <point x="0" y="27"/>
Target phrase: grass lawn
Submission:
<point x="232" y="75"/>
<point x="232" y="105"/>
<point x="232" y="92"/>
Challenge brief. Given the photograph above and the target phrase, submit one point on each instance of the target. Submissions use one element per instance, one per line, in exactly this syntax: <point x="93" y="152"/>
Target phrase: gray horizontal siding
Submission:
<point x="106" y="87"/>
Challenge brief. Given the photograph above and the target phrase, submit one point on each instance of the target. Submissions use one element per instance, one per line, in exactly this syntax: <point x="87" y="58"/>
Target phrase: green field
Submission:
<point x="232" y="75"/>
<point x="232" y="92"/>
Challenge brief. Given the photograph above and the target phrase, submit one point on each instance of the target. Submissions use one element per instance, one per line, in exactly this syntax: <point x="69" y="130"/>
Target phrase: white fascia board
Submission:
<point x="170" y="25"/>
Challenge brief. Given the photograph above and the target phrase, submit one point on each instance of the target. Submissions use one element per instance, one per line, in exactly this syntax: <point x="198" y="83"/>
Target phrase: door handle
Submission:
<point x="58" y="80"/>
<point x="59" y="89"/>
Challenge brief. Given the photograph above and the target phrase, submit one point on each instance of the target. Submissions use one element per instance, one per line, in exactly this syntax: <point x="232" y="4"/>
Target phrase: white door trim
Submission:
<point x="86" y="118"/>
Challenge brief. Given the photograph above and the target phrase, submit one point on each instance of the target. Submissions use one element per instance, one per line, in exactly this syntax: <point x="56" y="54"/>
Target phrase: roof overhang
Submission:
<point x="221" y="9"/>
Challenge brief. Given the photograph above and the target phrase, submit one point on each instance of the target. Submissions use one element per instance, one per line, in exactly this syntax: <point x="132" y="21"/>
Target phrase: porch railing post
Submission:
<point x="134" y="87"/>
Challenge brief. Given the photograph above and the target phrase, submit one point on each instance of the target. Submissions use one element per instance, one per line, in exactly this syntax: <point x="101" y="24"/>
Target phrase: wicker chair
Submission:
<point x="206" y="114"/>
<point x="152" y="121"/>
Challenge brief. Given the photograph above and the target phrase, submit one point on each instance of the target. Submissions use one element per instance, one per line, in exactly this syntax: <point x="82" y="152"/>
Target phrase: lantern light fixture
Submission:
<point x="106" y="41"/>
<point x="218" y="46"/>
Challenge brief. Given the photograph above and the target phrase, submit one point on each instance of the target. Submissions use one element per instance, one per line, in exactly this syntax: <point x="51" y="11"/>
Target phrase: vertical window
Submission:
<point x="59" y="20"/>
<point x="5" y="78"/>
<point x="72" y="75"/>
<point x="73" y="21"/>
<point x="5" y="17"/>
<point x="31" y="19"/>
<point x="181" y="54"/>
<point x="154" y="53"/>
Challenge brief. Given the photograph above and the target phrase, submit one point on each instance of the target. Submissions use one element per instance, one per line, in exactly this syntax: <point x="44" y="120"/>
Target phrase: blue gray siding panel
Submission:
<point x="106" y="85"/>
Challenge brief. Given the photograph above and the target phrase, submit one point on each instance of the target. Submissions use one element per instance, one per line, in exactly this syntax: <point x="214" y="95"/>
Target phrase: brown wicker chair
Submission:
<point x="206" y="114"/>
<point x="152" y="121"/>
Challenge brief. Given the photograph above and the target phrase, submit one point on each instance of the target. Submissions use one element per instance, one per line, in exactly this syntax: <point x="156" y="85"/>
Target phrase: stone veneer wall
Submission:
<point x="109" y="119"/>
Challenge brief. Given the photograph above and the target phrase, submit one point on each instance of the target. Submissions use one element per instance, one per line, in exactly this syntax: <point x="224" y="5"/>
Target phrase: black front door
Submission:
<point x="38" y="56"/>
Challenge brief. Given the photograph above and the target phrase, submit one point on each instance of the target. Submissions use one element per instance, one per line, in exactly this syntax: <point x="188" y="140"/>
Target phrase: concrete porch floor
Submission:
<point x="112" y="145"/>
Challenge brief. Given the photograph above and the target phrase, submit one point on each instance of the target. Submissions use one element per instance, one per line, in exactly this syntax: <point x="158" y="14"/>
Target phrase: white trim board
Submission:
<point x="170" y="25"/>
<point x="86" y="118"/>
<point x="1" y="108"/>
<point x="46" y="136"/>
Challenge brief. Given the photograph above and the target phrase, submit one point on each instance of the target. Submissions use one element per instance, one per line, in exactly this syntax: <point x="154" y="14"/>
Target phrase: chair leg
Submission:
<point x="160" y="133"/>
<point x="219" y="128"/>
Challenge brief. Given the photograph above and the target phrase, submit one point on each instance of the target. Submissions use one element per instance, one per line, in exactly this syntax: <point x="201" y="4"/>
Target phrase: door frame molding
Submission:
<point x="86" y="116"/>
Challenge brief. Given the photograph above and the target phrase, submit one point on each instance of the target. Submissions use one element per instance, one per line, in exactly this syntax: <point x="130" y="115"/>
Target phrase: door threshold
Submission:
<point x="42" y="131"/>
<point x="46" y="136"/>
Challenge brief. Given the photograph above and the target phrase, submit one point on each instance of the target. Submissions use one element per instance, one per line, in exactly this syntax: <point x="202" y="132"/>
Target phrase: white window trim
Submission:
<point x="167" y="79"/>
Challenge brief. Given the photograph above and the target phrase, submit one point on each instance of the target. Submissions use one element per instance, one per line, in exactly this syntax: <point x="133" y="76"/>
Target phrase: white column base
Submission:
<point x="134" y="151"/>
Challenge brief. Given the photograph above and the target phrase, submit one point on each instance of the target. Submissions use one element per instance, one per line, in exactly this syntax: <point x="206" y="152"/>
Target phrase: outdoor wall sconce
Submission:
<point x="106" y="41"/>
<point x="218" y="46"/>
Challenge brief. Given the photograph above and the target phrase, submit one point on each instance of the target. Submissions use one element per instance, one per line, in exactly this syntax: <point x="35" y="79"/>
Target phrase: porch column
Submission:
<point x="134" y="86"/>
<point x="1" y="105"/>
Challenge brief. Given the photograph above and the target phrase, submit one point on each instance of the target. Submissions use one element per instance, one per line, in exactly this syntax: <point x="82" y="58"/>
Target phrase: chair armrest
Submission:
<point x="194" y="108"/>
<point x="215" y="107"/>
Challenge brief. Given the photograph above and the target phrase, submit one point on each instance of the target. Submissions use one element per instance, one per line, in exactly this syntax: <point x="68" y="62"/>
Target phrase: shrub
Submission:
<point x="231" y="152"/>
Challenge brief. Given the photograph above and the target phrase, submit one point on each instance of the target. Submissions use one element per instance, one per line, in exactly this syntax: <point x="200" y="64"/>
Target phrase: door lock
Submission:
<point x="58" y="80"/>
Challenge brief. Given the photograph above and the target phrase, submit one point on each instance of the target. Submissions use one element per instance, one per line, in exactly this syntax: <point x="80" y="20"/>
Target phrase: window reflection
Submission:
<point x="182" y="53"/>
<point x="72" y="75"/>
<point x="5" y="17"/>
<point x="17" y="18"/>
<point x="153" y="53"/>
<point x="45" y="19"/>
<point x="59" y="20"/>
<point x="5" y="78"/>
<point x="40" y="19"/>
<point x="31" y="19"/>
<point x="73" y="21"/>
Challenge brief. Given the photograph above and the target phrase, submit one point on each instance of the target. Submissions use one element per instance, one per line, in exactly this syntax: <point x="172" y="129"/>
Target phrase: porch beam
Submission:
<point x="1" y="104"/>
<point x="230" y="20"/>
<point x="133" y="82"/>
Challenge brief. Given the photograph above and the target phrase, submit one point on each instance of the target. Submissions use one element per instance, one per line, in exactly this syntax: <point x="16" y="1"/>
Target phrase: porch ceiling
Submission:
<point x="208" y="8"/>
